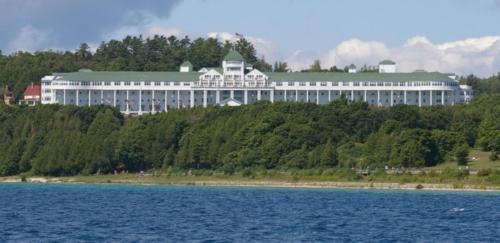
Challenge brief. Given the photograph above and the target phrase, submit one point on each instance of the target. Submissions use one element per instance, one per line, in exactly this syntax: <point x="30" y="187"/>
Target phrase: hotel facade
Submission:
<point x="237" y="83"/>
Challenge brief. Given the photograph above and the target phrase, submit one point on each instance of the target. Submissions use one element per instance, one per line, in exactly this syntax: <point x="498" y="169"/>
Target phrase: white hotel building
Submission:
<point x="237" y="83"/>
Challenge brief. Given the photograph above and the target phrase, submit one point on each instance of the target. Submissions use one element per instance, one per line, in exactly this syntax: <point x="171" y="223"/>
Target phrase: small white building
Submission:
<point x="352" y="68"/>
<point x="186" y="67"/>
<point x="387" y="66"/>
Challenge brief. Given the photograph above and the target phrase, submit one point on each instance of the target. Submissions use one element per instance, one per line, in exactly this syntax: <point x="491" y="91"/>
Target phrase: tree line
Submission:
<point x="133" y="53"/>
<point x="68" y="140"/>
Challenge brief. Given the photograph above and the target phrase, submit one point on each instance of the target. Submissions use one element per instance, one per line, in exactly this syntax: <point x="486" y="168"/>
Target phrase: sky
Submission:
<point x="460" y="36"/>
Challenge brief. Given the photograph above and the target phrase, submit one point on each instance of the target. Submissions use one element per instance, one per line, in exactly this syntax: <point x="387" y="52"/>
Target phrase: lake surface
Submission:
<point x="131" y="213"/>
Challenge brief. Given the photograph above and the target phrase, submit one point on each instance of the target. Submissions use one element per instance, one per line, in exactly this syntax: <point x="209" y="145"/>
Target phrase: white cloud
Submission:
<point x="480" y="56"/>
<point x="31" y="39"/>
<point x="165" y="31"/>
<point x="264" y="47"/>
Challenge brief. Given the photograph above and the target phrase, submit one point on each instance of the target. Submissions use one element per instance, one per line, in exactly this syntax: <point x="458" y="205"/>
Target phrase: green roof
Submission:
<point x="186" y="63"/>
<point x="332" y="76"/>
<point x="129" y="76"/>
<point x="218" y="69"/>
<point x="387" y="62"/>
<point x="273" y="76"/>
<point x="233" y="56"/>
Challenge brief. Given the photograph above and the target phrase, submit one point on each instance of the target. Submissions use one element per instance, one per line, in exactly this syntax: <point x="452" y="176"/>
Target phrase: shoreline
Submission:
<point x="262" y="184"/>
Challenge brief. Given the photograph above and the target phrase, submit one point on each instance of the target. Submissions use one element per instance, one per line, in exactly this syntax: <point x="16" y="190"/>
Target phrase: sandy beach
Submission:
<point x="258" y="183"/>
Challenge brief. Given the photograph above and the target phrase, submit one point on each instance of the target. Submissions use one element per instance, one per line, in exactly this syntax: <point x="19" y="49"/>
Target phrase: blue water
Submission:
<point x="97" y="213"/>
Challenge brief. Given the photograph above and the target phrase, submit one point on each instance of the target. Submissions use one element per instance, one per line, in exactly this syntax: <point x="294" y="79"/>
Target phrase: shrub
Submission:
<point x="462" y="154"/>
<point x="248" y="172"/>
<point x="493" y="156"/>
<point x="484" y="172"/>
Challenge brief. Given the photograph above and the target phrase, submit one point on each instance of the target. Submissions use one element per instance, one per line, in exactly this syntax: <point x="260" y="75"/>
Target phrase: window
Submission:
<point x="186" y="84"/>
<point x="290" y="83"/>
<point x="302" y="84"/>
<point x="312" y="83"/>
<point x="323" y="83"/>
<point x="177" y="83"/>
<point x="107" y="83"/>
<point x="127" y="83"/>
<point x="279" y="84"/>
<point x="147" y="83"/>
<point x="137" y="83"/>
<point x="157" y="83"/>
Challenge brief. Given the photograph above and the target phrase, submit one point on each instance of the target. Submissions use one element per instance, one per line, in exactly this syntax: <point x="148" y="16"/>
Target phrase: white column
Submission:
<point x="153" y="101"/>
<point x="140" y="101"/>
<point x="307" y="96"/>
<point x="392" y="97"/>
<point x="352" y="95"/>
<point x="102" y="96"/>
<point x="365" y="96"/>
<point x="329" y="96"/>
<point x="430" y="91"/>
<point x="245" y="96"/>
<point x="205" y="98"/>
<point x="259" y="95"/>
<point x="284" y="95"/>
<point x="442" y="97"/>
<point x="296" y="95"/>
<point x="127" y="103"/>
<point x="405" y="97"/>
<point x="419" y="98"/>
<point x="114" y="98"/>
<point x="64" y="96"/>
<point x="317" y="97"/>
<point x="217" y="96"/>
<point x="378" y="97"/>
<point x="77" y="97"/>
<point x="89" y="96"/>
<point x="231" y="94"/>
<point x="191" y="98"/>
<point x="271" y="96"/>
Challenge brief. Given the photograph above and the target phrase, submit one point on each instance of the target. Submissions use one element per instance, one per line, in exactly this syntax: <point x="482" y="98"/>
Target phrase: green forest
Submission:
<point x="55" y="140"/>
<point x="68" y="140"/>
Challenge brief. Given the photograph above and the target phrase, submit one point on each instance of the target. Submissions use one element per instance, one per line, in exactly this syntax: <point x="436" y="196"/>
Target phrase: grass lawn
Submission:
<point x="477" y="160"/>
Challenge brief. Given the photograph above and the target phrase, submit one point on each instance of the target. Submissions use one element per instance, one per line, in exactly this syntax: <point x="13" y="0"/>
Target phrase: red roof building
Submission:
<point x="32" y="95"/>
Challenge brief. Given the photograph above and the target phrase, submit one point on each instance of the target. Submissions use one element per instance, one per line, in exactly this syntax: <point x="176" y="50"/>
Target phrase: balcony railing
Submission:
<point x="231" y="84"/>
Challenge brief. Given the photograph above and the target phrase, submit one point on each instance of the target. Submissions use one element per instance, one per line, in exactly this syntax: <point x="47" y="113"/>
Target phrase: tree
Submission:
<point x="462" y="154"/>
<point x="335" y="69"/>
<point x="315" y="67"/>
<point x="281" y="67"/>
<point x="83" y="53"/>
<point x="247" y="51"/>
<point x="328" y="156"/>
<point x="415" y="147"/>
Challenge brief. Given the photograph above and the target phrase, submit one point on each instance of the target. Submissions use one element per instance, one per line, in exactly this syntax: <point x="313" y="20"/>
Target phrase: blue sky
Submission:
<point x="460" y="36"/>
